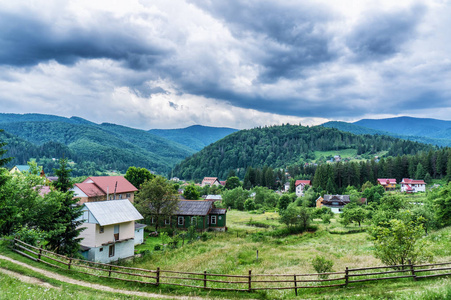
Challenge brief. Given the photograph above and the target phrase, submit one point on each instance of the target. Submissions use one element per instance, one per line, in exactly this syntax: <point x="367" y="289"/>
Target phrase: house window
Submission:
<point x="128" y="195"/>
<point x="101" y="249"/>
<point x="193" y="221"/>
<point x="213" y="220"/>
<point x="101" y="229"/>
<point x="111" y="251"/>
<point x="111" y="197"/>
<point x="167" y="221"/>
<point x="116" y="232"/>
<point x="120" y="196"/>
<point x="181" y="220"/>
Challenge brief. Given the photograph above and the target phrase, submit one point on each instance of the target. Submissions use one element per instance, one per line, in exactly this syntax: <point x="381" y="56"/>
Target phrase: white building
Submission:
<point x="413" y="185"/>
<point x="300" y="185"/>
<point x="110" y="230"/>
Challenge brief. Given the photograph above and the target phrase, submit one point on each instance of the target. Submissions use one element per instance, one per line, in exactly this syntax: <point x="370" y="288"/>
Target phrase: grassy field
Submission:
<point x="234" y="252"/>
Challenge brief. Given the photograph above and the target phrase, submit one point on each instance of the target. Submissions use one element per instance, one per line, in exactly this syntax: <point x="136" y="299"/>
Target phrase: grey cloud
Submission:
<point x="382" y="35"/>
<point x="26" y="40"/>
<point x="287" y="38"/>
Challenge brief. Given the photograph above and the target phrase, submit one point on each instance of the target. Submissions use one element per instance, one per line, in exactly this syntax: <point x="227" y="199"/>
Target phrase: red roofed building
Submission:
<point x="300" y="184"/>
<point x="413" y="185"/>
<point x="103" y="188"/>
<point x="210" y="181"/>
<point x="389" y="184"/>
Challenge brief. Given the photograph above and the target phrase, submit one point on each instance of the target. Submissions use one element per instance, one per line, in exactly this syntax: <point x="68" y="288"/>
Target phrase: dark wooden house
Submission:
<point x="201" y="213"/>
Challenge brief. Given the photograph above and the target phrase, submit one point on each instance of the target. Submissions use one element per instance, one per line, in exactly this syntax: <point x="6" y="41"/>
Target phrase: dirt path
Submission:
<point x="59" y="277"/>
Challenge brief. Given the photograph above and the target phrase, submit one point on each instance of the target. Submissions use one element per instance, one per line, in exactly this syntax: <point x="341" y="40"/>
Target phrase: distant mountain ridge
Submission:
<point x="195" y="137"/>
<point x="430" y="131"/>
<point x="106" y="145"/>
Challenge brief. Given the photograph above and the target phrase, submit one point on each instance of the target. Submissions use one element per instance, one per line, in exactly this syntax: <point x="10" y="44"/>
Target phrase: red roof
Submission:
<point x="90" y="189"/>
<point x="412" y="181"/>
<point x="304" y="182"/>
<point x="108" y="184"/>
<point x="385" y="181"/>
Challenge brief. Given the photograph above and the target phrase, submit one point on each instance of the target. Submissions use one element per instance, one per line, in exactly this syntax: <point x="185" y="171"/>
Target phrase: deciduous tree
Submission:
<point x="157" y="199"/>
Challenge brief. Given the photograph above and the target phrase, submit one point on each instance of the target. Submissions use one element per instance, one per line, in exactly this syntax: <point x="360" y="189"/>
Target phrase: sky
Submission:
<point x="240" y="64"/>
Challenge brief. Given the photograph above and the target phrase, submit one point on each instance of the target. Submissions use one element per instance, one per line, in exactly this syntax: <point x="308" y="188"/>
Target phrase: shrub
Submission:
<point x="322" y="265"/>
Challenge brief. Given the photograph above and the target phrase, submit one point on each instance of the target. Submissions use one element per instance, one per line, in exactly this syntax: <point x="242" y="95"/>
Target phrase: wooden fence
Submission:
<point x="245" y="283"/>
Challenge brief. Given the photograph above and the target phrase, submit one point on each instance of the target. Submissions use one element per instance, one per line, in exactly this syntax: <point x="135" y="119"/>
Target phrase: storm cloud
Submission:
<point x="164" y="64"/>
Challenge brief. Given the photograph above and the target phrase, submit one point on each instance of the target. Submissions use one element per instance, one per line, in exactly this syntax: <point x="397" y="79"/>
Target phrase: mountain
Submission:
<point x="195" y="137"/>
<point x="106" y="146"/>
<point x="429" y="131"/>
<point x="282" y="146"/>
<point x="408" y="126"/>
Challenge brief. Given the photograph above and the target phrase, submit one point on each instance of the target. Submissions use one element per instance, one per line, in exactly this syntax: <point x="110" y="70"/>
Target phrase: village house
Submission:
<point x="201" y="213"/>
<point x="109" y="230"/>
<point x="286" y="187"/>
<point x="389" y="184"/>
<point x="413" y="185"/>
<point x="334" y="202"/>
<point x="300" y="185"/>
<point x="18" y="169"/>
<point x="210" y="181"/>
<point x="101" y="188"/>
<point x="213" y="198"/>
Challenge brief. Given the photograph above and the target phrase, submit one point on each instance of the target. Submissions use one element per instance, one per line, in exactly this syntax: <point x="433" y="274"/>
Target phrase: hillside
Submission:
<point x="195" y="137"/>
<point x="439" y="137"/>
<point x="107" y="146"/>
<point x="409" y="126"/>
<point x="282" y="146"/>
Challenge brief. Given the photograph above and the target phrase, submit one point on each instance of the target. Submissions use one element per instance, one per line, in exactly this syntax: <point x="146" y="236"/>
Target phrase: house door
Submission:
<point x="116" y="232"/>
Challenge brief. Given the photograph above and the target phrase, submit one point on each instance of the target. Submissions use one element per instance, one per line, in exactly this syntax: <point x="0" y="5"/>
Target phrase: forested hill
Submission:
<point x="282" y="146"/>
<point x="195" y="137"/>
<point x="93" y="147"/>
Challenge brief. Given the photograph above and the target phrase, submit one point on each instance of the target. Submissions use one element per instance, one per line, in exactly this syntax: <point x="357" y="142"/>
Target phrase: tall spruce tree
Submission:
<point x="64" y="231"/>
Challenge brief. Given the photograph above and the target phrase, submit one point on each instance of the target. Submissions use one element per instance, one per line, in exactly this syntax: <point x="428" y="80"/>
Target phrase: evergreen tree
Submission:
<point x="3" y="160"/>
<point x="63" y="184"/>
<point x="420" y="172"/>
<point x="64" y="231"/>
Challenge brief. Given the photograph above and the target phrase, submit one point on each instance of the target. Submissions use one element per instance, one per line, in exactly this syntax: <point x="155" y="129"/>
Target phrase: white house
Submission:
<point x="412" y="185"/>
<point x="139" y="233"/>
<point x="300" y="185"/>
<point x="110" y="230"/>
<point x="210" y="181"/>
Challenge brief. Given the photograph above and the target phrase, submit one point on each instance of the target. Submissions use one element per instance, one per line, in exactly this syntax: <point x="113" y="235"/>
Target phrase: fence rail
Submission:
<point x="225" y="282"/>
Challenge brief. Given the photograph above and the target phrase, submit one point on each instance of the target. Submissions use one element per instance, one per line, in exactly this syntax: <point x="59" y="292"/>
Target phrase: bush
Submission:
<point x="322" y="265"/>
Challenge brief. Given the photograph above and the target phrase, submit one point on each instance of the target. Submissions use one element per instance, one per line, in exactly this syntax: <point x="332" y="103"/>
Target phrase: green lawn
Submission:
<point x="234" y="252"/>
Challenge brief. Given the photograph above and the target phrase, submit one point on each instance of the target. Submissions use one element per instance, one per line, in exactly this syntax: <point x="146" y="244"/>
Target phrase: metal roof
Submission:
<point x="113" y="211"/>
<point x="213" y="197"/>
<point x="218" y="211"/>
<point x="194" y="207"/>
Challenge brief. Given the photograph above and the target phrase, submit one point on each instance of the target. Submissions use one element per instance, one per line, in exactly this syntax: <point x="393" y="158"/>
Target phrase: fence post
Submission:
<point x="70" y="261"/>
<point x="14" y="244"/>
<point x="250" y="280"/>
<point x="295" y="286"/>
<point x="346" y="276"/>
<point x="412" y="271"/>
<point x="109" y="272"/>
<point x="158" y="276"/>
<point x="205" y="279"/>
<point x="40" y="253"/>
